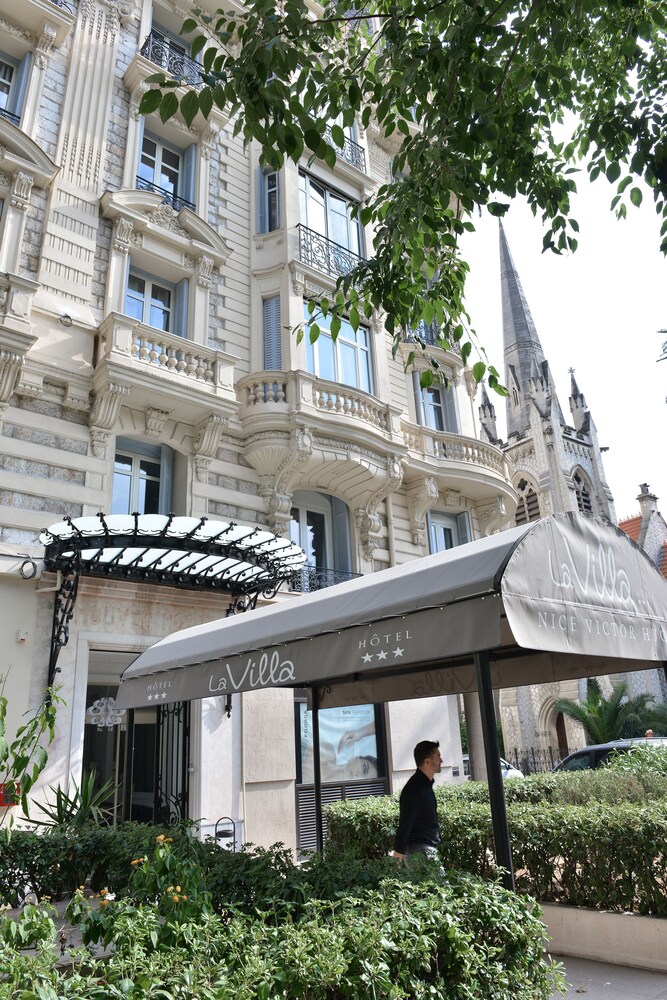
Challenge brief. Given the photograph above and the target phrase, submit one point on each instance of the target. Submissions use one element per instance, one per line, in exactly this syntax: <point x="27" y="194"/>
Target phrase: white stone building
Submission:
<point x="149" y="278"/>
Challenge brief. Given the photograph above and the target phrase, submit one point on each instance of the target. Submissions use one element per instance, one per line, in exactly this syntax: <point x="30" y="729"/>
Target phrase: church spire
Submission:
<point x="487" y="418"/>
<point x="526" y="370"/>
<point x="581" y="418"/>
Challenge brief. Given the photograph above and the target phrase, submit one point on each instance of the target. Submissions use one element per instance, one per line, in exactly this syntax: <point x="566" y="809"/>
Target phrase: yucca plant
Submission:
<point x="83" y="806"/>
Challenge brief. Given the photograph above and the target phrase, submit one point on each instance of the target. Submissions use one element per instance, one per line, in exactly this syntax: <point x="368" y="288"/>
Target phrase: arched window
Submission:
<point x="528" y="508"/>
<point x="584" y="502"/>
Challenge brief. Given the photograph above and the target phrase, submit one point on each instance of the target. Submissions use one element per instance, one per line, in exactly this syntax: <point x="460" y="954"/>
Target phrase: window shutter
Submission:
<point x="452" y="423"/>
<point x="419" y="401"/>
<point x="166" y="466"/>
<point x="188" y="183"/>
<point x="180" y="325"/>
<point x="273" y="359"/>
<point x="463" y="525"/>
<point x="20" y="85"/>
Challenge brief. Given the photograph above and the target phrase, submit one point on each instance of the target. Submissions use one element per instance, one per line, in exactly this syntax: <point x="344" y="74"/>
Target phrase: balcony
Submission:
<point x="172" y="59"/>
<point x="65" y="5"/>
<point x="176" y="202"/>
<point x="446" y="447"/>
<point x="311" y="578"/>
<point x="324" y="255"/>
<point x="184" y="377"/>
<point x="267" y="396"/>
<point x="350" y="151"/>
<point x="429" y="333"/>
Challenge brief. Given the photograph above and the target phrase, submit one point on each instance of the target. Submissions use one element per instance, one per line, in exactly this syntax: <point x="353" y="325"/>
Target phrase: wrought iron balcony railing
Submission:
<point x="429" y="333"/>
<point x="176" y="202"/>
<point x="169" y="57"/>
<point x="310" y="578"/>
<point x="324" y="254"/>
<point x="10" y="116"/>
<point x="65" y="5"/>
<point x="350" y="151"/>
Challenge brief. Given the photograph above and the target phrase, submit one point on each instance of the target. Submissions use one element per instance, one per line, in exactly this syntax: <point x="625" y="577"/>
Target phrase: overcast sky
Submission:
<point x="597" y="311"/>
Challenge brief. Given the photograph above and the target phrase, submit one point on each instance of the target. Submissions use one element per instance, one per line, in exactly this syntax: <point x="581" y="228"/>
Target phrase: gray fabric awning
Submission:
<point x="566" y="596"/>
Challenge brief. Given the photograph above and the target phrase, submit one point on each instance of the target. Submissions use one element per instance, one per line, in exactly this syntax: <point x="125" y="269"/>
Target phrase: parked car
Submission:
<point x="599" y="753"/>
<point x="508" y="770"/>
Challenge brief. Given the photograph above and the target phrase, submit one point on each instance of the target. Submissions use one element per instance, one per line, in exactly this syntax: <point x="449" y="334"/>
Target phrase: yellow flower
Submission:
<point x="178" y="888"/>
<point x="169" y="889"/>
<point x="137" y="861"/>
<point x="104" y="892"/>
<point x="104" y="902"/>
<point x="184" y="898"/>
<point x="160" y="838"/>
<point x="175" y="899"/>
<point x="169" y="840"/>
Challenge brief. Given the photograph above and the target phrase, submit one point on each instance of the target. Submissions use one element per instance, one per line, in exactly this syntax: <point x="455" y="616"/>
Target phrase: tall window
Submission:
<point x="329" y="214"/>
<point x="268" y="200"/>
<point x="149" y="302"/>
<point x="13" y="84"/>
<point x="346" y="360"/>
<point x="321" y="527"/>
<point x="448" y="530"/>
<point x="157" y="303"/>
<point x="440" y="409"/>
<point x="167" y="171"/>
<point x="141" y="478"/>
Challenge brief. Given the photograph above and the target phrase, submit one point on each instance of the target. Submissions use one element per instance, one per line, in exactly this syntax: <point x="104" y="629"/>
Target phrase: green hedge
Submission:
<point x="610" y="856"/>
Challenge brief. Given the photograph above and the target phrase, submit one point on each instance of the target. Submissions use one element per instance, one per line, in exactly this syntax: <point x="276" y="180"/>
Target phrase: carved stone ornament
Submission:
<point x="135" y="99"/>
<point x="301" y="448"/>
<point x="122" y="235"/>
<point x="21" y="188"/>
<point x="370" y="524"/>
<point x="98" y="443"/>
<point x="155" y="421"/>
<point x="44" y="46"/>
<point x="453" y="498"/>
<point x="167" y="218"/>
<point x="107" y="405"/>
<point x="278" y="506"/>
<point x="207" y="436"/>
<point x="209" y="140"/>
<point x="9" y="28"/>
<point x="10" y="369"/>
<point x="369" y="528"/>
<point x="304" y="286"/>
<point x="76" y="397"/>
<point x="421" y="498"/>
<point x="204" y="271"/>
<point x="492" y="515"/>
<point x="201" y="465"/>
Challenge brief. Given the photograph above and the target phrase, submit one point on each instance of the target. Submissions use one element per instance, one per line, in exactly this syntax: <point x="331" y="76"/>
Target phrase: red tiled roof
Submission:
<point x="631" y="527"/>
<point x="662" y="561"/>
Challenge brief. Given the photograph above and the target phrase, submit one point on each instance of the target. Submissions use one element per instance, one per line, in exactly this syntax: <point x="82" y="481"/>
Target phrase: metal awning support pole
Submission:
<point x="501" y="836"/>
<point x="319" y="827"/>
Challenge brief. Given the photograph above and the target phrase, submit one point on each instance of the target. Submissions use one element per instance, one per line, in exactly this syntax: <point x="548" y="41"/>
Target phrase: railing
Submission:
<point x="302" y="391"/>
<point x="429" y="333"/>
<point x="325" y="255"/>
<point x="311" y="578"/>
<point x="65" y="5"/>
<point x="172" y="199"/>
<point x="164" y="53"/>
<point x="533" y="760"/>
<point x="10" y="116"/>
<point x="350" y="151"/>
<point x="453" y="447"/>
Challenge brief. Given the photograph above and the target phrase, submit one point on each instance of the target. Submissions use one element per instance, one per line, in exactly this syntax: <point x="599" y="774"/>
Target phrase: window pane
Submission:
<point x="134" y="300"/>
<point x="160" y="308"/>
<point x="326" y="358"/>
<point x="169" y="170"/>
<point x="148" y="500"/>
<point x="348" y="363"/>
<point x="6" y="76"/>
<point x="315" y="542"/>
<point x="122" y="485"/>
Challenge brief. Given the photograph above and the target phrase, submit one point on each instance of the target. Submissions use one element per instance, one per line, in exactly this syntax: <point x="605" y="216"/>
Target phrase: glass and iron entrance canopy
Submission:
<point x="164" y="549"/>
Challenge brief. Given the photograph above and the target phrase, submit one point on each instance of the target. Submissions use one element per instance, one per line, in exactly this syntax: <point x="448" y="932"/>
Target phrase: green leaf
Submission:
<point x="478" y="370"/>
<point x="636" y="196"/>
<point x="465" y="351"/>
<point x="150" y="102"/>
<point x="169" y="107"/>
<point x="190" y="106"/>
<point x="613" y="171"/>
<point x="313" y="332"/>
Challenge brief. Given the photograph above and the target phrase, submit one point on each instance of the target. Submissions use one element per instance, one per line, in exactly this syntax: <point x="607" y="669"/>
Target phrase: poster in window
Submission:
<point x="348" y="743"/>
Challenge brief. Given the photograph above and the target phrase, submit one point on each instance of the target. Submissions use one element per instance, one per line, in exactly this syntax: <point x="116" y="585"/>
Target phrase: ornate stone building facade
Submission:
<point x="150" y="274"/>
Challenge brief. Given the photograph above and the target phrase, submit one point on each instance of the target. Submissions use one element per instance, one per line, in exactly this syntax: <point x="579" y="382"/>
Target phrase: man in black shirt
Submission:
<point x="418" y="831"/>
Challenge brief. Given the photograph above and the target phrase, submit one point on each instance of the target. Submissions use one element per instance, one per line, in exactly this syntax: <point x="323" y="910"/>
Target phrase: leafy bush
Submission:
<point x="403" y="937"/>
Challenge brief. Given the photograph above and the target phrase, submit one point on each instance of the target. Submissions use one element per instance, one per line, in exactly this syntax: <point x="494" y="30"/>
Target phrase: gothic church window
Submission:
<point x="528" y="508"/>
<point x="584" y="502"/>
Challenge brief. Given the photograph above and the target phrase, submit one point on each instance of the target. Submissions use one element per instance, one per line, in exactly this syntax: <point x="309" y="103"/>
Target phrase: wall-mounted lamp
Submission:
<point x="66" y="319"/>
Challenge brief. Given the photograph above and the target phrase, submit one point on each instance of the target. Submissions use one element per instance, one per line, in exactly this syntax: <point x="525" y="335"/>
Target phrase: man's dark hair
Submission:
<point x="423" y="750"/>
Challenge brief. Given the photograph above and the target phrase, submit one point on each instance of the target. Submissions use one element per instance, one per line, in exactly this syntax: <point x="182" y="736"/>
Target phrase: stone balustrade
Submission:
<point x="454" y="448"/>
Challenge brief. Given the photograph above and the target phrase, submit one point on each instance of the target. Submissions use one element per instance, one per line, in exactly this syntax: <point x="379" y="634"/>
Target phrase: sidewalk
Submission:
<point x="600" y="981"/>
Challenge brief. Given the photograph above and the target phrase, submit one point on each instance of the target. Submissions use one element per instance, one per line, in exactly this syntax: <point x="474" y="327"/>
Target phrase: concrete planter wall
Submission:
<point x="618" y="938"/>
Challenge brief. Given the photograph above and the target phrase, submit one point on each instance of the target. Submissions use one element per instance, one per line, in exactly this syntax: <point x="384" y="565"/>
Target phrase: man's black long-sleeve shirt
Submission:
<point x="418" y="822"/>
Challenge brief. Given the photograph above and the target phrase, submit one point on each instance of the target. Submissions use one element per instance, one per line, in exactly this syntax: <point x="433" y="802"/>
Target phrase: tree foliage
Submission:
<point x="616" y="717"/>
<point x="477" y="101"/>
